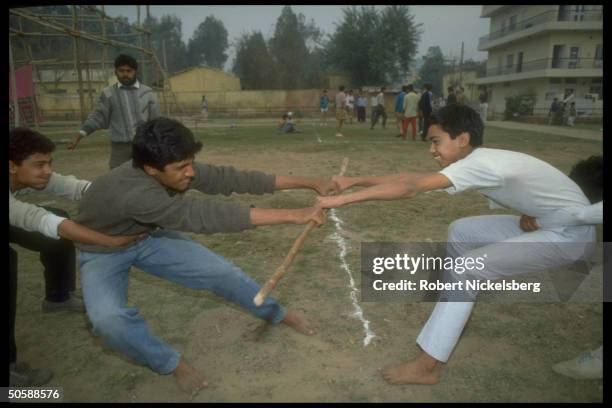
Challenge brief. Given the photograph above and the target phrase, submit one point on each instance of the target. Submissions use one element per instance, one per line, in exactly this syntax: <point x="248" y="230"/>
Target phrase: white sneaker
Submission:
<point x="339" y="135"/>
<point x="584" y="367"/>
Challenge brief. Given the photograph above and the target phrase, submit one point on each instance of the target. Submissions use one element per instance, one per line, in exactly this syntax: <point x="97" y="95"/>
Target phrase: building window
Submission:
<point x="571" y="81"/>
<point x="512" y="23"/>
<point x="509" y="63"/>
<point x="597" y="88"/>
<point x="573" y="58"/>
<point x="599" y="56"/>
<point x="554" y="81"/>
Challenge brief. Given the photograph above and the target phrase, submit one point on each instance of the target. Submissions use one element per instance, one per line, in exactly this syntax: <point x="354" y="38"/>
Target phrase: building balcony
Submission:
<point x="544" y="68"/>
<point x="488" y="11"/>
<point x="550" y="20"/>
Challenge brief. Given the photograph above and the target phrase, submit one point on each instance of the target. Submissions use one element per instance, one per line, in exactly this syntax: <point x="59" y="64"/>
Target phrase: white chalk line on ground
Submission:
<point x="338" y="237"/>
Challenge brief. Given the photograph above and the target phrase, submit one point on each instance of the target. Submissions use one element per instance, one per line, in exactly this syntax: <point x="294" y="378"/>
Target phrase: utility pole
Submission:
<point x="461" y="65"/>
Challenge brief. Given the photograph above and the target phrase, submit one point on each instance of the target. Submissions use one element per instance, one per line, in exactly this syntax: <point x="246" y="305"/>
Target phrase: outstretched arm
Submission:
<point x="367" y="181"/>
<point x="75" y="232"/>
<point x="393" y="190"/>
<point x="321" y="186"/>
<point x="268" y="216"/>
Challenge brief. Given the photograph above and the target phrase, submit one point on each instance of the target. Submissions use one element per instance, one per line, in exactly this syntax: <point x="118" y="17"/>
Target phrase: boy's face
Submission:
<point x="34" y="171"/>
<point x="445" y="150"/>
<point x="176" y="176"/>
<point x="126" y="75"/>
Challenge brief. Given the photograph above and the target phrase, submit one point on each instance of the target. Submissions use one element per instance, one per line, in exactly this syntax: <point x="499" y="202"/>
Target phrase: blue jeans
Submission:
<point x="172" y="256"/>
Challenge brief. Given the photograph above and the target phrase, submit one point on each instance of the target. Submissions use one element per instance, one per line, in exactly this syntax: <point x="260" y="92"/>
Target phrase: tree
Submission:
<point x="433" y="69"/>
<point x="209" y="43"/>
<point x="373" y="46"/>
<point x="253" y="63"/>
<point x="288" y="48"/>
<point x="166" y="34"/>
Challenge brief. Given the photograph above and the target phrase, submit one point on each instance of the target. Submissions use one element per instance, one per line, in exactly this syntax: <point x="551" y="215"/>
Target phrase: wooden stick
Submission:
<point x="282" y="269"/>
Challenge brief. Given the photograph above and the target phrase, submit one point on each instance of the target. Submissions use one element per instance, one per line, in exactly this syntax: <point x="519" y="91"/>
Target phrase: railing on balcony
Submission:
<point x="546" y="63"/>
<point x="548" y="16"/>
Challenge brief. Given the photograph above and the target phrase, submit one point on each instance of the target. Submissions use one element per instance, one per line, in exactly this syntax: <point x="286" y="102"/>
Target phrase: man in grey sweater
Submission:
<point x="148" y="195"/>
<point x="121" y="107"/>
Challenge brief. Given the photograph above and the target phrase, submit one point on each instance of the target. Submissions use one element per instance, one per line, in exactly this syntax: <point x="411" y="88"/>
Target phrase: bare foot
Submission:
<point x="297" y="323"/>
<point x="412" y="372"/>
<point x="189" y="379"/>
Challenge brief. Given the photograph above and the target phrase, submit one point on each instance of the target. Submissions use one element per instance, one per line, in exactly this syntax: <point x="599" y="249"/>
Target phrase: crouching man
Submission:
<point x="147" y="194"/>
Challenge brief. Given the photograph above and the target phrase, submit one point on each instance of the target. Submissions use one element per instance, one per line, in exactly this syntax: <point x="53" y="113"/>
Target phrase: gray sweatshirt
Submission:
<point x="120" y="109"/>
<point x="128" y="201"/>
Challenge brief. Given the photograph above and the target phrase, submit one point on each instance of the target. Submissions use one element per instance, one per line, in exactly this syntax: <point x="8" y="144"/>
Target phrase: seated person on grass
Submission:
<point x="286" y="124"/>
<point x="147" y="194"/>
<point x="507" y="179"/>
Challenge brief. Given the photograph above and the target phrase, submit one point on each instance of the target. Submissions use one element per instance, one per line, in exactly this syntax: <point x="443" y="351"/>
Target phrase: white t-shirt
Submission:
<point x="515" y="180"/>
<point x="350" y="101"/>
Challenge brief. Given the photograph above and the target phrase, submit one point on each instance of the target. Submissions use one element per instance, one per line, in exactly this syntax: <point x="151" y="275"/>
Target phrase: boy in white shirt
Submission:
<point x="509" y="180"/>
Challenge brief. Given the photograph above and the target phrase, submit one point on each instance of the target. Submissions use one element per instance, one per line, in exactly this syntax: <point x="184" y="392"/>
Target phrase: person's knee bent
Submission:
<point x="106" y="322"/>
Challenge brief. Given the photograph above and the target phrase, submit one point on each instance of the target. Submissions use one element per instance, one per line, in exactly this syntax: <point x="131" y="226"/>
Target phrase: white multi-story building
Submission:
<point x="547" y="50"/>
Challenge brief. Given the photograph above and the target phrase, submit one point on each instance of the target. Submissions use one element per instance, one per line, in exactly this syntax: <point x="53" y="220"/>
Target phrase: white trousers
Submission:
<point x="490" y="234"/>
<point x="484" y="107"/>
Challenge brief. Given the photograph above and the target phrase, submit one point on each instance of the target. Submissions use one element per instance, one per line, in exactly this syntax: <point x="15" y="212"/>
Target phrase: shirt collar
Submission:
<point x="136" y="85"/>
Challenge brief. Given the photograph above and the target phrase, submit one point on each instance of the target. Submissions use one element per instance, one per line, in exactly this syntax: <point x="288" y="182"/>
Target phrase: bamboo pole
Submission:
<point x="166" y="85"/>
<point x="75" y="33"/>
<point x="77" y="64"/>
<point x="282" y="269"/>
<point x="105" y="47"/>
<point x="15" y="99"/>
<point x="34" y="100"/>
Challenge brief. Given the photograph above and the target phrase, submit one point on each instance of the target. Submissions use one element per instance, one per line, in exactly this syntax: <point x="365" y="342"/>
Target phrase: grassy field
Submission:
<point x="505" y="353"/>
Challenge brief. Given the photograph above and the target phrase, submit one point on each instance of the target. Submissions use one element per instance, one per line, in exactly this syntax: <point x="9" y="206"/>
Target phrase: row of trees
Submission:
<point x="371" y="45"/>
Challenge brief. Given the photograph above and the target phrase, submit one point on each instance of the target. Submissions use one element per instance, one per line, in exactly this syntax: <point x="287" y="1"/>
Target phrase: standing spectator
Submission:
<point x="451" y="98"/>
<point x="379" y="109"/>
<point x="553" y="112"/>
<point x="350" y="105"/>
<point x="204" y="108"/>
<point x="484" y="104"/>
<point x="426" y="109"/>
<point x="461" y="96"/>
<point x="121" y="107"/>
<point x="373" y="104"/>
<point x="571" y="116"/>
<point x="411" y="102"/>
<point x="324" y="106"/>
<point x="399" y="112"/>
<point x="340" y="110"/>
<point x="362" y="104"/>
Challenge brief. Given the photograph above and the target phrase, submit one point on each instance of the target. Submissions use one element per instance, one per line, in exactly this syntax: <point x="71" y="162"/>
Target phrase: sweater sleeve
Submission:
<point x="183" y="212"/>
<point x="100" y="117"/>
<point x="66" y="186"/>
<point x="226" y="180"/>
<point x="32" y="218"/>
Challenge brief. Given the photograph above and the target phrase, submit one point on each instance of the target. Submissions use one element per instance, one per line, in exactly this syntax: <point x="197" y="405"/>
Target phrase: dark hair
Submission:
<point x="24" y="142"/>
<point x="341" y="88"/>
<point x="285" y="116"/>
<point x="123" y="59"/>
<point x="428" y="87"/>
<point x="410" y="88"/>
<point x="161" y="141"/>
<point x="450" y="89"/>
<point x="588" y="174"/>
<point x="455" y="119"/>
<point x="404" y="88"/>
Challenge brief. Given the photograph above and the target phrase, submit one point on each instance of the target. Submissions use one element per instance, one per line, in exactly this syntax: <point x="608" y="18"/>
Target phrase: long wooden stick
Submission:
<point x="282" y="269"/>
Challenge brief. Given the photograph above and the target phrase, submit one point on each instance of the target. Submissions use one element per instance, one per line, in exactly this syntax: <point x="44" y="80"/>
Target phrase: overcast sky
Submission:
<point x="444" y="26"/>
